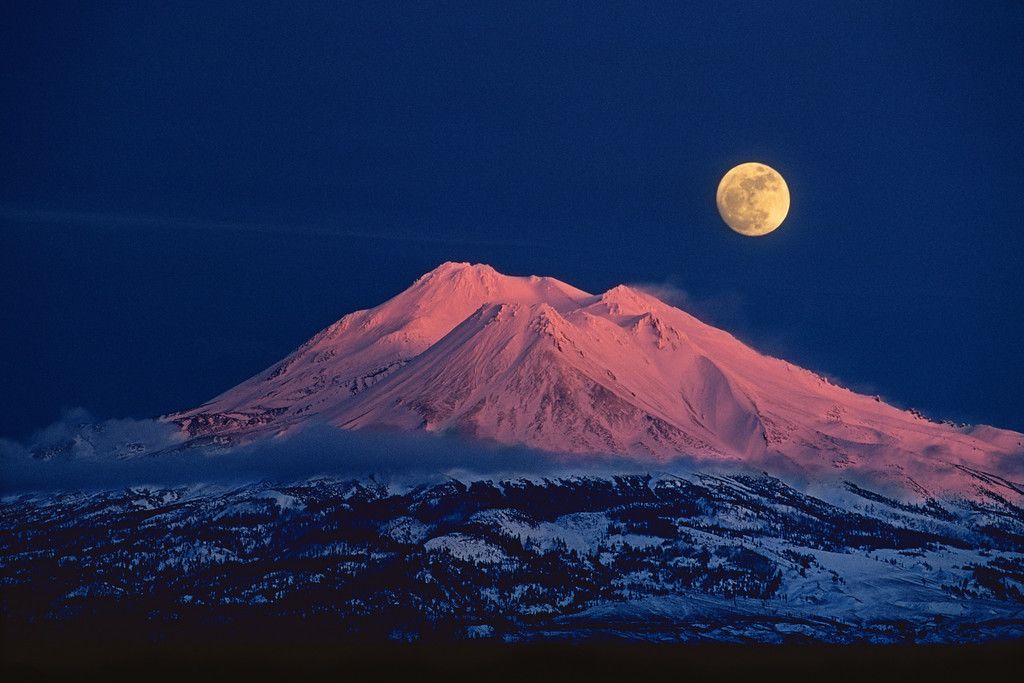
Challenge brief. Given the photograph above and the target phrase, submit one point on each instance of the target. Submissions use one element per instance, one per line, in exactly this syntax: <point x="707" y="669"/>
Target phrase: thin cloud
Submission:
<point x="665" y="292"/>
<point x="124" y="221"/>
<point x="724" y="310"/>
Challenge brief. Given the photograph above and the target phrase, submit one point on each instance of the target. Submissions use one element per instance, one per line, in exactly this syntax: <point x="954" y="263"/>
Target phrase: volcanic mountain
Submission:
<point x="537" y="362"/>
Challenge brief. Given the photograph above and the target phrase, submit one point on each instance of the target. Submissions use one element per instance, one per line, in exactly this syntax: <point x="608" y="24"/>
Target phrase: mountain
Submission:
<point x="749" y="500"/>
<point x="537" y="362"/>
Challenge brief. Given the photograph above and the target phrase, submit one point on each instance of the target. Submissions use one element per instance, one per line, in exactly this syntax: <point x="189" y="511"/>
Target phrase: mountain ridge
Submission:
<point x="534" y="361"/>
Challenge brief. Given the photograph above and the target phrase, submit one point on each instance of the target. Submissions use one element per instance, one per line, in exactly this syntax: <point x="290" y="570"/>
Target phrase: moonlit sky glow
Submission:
<point x="189" y="191"/>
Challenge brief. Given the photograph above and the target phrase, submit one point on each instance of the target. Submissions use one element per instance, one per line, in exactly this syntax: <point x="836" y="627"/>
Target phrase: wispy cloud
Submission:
<point x="132" y="221"/>
<point x="724" y="309"/>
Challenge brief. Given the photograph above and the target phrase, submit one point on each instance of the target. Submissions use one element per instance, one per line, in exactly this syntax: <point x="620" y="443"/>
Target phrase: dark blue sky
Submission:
<point x="187" y="192"/>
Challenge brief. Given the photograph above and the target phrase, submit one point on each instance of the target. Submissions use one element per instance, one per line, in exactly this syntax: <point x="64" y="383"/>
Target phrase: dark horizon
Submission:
<point x="189" y="193"/>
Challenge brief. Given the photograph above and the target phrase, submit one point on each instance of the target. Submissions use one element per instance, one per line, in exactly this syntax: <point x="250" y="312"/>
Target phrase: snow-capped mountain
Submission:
<point x="537" y="362"/>
<point x="803" y="512"/>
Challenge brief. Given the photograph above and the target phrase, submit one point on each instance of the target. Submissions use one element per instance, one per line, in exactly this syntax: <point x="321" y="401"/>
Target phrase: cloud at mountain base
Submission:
<point x="84" y="455"/>
<point x="77" y="453"/>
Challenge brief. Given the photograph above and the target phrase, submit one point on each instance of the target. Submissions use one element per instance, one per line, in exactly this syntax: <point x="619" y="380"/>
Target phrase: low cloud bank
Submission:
<point x="76" y="454"/>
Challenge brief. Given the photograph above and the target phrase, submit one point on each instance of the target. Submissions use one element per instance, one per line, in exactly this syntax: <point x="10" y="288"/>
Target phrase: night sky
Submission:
<point x="187" y="193"/>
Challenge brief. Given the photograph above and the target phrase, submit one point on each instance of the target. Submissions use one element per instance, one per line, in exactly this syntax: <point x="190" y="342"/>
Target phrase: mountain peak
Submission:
<point x="481" y="283"/>
<point x="628" y="299"/>
<point x="459" y="268"/>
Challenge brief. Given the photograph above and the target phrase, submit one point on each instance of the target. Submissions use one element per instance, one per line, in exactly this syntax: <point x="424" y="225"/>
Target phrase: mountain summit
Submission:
<point x="537" y="362"/>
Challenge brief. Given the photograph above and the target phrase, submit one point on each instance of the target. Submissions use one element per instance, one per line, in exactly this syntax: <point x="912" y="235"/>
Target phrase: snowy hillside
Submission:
<point x="702" y="557"/>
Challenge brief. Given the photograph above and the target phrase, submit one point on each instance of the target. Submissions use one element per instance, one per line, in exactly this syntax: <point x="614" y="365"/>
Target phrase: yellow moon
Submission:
<point x="753" y="199"/>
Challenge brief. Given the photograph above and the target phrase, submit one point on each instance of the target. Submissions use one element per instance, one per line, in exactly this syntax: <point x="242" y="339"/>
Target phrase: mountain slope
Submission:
<point x="534" y="361"/>
<point x="365" y="346"/>
<point x="735" y="558"/>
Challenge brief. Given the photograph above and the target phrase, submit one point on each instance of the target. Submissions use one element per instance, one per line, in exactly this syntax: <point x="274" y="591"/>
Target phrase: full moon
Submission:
<point x="753" y="199"/>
